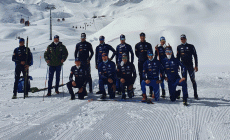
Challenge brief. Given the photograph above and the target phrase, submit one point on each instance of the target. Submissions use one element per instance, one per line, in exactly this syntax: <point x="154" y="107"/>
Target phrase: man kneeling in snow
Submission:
<point x="80" y="80"/>
<point x="171" y="67"/>
<point x="151" y="73"/>
<point x="107" y="76"/>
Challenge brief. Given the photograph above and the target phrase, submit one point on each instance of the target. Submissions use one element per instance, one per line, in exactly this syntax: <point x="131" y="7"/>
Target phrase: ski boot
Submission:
<point x="85" y="93"/>
<point x="99" y="92"/>
<point x="131" y="94"/>
<point x="112" y="95"/>
<point x="144" y="97"/>
<point x="72" y="97"/>
<point x="163" y="94"/>
<point x="48" y="94"/>
<point x="150" y="91"/>
<point x="14" y="97"/>
<point x="123" y="97"/>
<point x="90" y="90"/>
<point x="185" y="103"/>
<point x="103" y="96"/>
<point x="178" y="94"/>
<point x="118" y="92"/>
<point x="196" y="96"/>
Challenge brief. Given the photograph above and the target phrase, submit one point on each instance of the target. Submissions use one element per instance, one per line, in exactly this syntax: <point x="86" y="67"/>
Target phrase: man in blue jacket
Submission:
<point x="141" y="49"/>
<point x="123" y="48"/>
<point x="19" y="57"/>
<point x="160" y="55"/>
<point x="80" y="81"/>
<point x="103" y="48"/>
<point x="82" y="51"/>
<point x="107" y="76"/>
<point x="185" y="52"/>
<point x="151" y="73"/>
<point x="171" y="67"/>
<point x="127" y="74"/>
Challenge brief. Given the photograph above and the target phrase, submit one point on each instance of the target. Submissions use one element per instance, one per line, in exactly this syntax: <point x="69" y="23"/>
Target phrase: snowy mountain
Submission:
<point x="206" y="24"/>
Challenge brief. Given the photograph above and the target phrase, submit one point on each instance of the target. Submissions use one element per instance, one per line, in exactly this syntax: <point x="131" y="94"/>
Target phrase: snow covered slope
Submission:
<point x="206" y="24"/>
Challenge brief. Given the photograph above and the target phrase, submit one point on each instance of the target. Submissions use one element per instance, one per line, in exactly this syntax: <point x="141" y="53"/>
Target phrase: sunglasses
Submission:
<point x="168" y="51"/>
<point x="182" y="39"/>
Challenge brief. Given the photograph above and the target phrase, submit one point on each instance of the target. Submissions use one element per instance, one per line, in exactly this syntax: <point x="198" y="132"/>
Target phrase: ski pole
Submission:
<point x="45" y="81"/>
<point x="62" y="81"/>
<point x="40" y="61"/>
<point x="26" y="71"/>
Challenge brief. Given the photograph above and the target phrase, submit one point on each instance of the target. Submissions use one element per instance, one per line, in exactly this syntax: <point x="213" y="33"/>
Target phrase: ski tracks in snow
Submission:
<point x="38" y="120"/>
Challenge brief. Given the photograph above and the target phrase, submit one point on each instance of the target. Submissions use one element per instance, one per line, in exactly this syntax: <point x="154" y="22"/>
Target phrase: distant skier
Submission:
<point x="152" y="69"/>
<point x="103" y="48"/>
<point x="123" y="48"/>
<point x="55" y="55"/>
<point x="82" y="51"/>
<point x="171" y="67"/>
<point x="127" y="74"/>
<point x="107" y="76"/>
<point x="141" y="49"/>
<point x="19" y="57"/>
<point x="185" y="52"/>
<point x="80" y="74"/>
<point x="160" y="55"/>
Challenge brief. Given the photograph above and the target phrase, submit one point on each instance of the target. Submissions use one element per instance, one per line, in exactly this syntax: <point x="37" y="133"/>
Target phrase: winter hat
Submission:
<point x="56" y="36"/>
<point x="162" y="38"/>
<point x="142" y="34"/>
<point x="122" y="37"/>
<point x="83" y="35"/>
<point x="150" y="53"/>
<point x="101" y="38"/>
<point x="168" y="49"/>
<point x="21" y="40"/>
<point x="183" y="36"/>
<point x="77" y="59"/>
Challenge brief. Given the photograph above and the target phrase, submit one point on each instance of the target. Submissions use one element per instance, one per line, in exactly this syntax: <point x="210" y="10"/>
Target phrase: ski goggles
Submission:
<point x="150" y="54"/>
<point x="168" y="51"/>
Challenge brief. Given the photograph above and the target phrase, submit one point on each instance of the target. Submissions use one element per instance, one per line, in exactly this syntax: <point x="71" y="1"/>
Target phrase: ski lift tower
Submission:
<point x="50" y="7"/>
<point x="85" y="25"/>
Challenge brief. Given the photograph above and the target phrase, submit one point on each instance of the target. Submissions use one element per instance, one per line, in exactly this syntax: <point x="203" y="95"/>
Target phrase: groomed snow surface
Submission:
<point x="206" y="24"/>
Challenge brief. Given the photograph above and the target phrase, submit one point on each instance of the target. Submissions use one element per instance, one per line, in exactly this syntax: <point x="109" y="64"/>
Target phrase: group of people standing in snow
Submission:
<point x="154" y="68"/>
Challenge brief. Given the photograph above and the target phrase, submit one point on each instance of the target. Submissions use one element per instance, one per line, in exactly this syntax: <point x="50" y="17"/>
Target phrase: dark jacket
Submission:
<point x="20" y="55"/>
<point x="161" y="51"/>
<point x="127" y="71"/>
<point x="103" y="48"/>
<point x="107" y="70"/>
<point x="171" y="67"/>
<point x="55" y="53"/>
<point x="141" y="49"/>
<point x="124" y="48"/>
<point x="82" y="51"/>
<point x="185" y="53"/>
<point x="152" y="70"/>
<point x="79" y="74"/>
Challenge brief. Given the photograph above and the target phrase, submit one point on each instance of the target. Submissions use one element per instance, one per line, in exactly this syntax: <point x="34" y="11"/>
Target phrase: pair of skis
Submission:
<point x="35" y="89"/>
